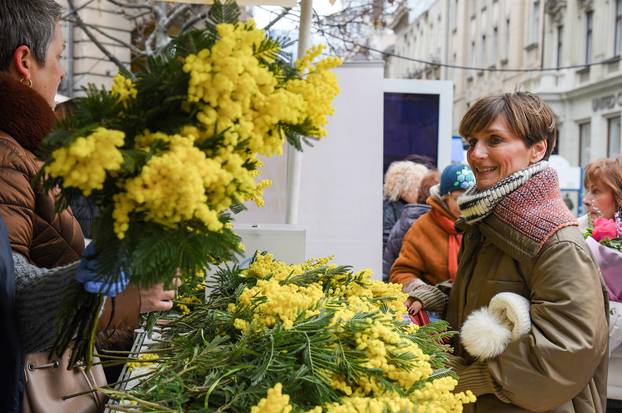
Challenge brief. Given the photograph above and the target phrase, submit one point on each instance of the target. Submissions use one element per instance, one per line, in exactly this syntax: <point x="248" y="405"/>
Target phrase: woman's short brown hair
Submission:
<point x="609" y="172"/>
<point x="525" y="113"/>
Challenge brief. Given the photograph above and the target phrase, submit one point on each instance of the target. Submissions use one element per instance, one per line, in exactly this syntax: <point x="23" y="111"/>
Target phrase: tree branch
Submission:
<point x="73" y="11"/>
<point x="284" y="13"/>
<point x="80" y="23"/>
<point x="159" y="16"/>
<point x="134" y="49"/>
<point x="131" y="6"/>
<point x="178" y="11"/>
<point x="192" y="22"/>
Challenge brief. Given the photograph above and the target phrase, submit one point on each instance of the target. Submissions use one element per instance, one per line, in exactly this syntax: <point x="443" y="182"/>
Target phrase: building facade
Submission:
<point x="582" y="37"/>
<point x="84" y="62"/>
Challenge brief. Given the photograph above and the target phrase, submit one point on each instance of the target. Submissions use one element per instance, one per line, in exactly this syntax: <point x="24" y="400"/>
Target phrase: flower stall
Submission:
<point x="168" y="156"/>
<point x="306" y="337"/>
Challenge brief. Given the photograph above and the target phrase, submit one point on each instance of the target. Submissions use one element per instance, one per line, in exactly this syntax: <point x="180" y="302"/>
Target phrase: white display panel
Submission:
<point x="341" y="184"/>
<point x="285" y="242"/>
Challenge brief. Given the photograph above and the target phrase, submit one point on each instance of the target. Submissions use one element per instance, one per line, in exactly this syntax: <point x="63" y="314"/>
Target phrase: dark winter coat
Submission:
<point x="85" y="212"/>
<point x="391" y="212"/>
<point x="410" y="213"/>
<point x="10" y="350"/>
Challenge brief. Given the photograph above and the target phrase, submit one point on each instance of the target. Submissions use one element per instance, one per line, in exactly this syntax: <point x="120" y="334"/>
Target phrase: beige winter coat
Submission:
<point x="561" y="365"/>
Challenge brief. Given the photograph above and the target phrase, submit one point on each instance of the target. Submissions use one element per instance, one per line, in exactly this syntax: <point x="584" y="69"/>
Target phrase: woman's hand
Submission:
<point x="156" y="298"/>
<point x="413" y="305"/>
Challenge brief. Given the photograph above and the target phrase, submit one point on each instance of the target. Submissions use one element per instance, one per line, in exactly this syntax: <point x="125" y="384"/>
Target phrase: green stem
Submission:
<point x="136" y="399"/>
<point x="93" y="332"/>
<point x="213" y="386"/>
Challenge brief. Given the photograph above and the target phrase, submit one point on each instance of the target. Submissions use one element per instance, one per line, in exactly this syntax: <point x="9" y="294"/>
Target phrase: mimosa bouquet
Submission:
<point x="169" y="150"/>
<point x="310" y="337"/>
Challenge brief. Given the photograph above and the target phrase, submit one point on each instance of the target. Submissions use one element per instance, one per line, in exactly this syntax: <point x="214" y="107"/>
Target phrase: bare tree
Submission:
<point x="351" y="30"/>
<point x="154" y="23"/>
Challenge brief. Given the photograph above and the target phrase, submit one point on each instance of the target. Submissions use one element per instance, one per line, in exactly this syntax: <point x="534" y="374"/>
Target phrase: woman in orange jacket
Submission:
<point x="429" y="253"/>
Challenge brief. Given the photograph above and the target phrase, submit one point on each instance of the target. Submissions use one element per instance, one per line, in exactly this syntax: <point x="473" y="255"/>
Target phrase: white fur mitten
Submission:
<point x="487" y="331"/>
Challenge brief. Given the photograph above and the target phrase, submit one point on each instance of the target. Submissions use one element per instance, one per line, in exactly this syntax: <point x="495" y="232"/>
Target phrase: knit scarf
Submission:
<point x="454" y="239"/>
<point x="476" y="205"/>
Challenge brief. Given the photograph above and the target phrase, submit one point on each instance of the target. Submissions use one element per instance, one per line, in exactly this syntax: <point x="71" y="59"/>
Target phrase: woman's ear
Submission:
<point x="22" y="62"/>
<point x="538" y="150"/>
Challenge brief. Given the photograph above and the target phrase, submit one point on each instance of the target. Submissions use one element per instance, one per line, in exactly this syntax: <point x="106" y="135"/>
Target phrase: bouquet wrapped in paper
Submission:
<point x="171" y="149"/>
<point x="605" y="243"/>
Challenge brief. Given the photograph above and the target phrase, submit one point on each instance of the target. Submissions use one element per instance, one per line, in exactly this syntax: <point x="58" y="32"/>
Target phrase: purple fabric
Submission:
<point x="610" y="263"/>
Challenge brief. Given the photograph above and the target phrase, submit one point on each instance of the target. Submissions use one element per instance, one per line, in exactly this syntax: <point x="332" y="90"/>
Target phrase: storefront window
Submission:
<point x="613" y="135"/>
<point x="585" y="140"/>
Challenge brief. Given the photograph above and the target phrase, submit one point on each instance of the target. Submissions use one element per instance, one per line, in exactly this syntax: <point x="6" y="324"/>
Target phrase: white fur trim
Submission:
<point x="483" y="335"/>
<point x="512" y="307"/>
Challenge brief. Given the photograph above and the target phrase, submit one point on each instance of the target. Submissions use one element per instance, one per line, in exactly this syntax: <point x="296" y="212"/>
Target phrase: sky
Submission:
<point x="264" y="14"/>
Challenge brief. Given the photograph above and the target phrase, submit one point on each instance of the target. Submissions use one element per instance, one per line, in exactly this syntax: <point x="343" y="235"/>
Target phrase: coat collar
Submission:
<point x="24" y="114"/>
<point x="524" y="220"/>
<point x="504" y="237"/>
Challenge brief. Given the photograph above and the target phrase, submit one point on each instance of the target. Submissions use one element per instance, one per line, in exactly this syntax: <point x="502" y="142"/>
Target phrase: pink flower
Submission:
<point x="604" y="228"/>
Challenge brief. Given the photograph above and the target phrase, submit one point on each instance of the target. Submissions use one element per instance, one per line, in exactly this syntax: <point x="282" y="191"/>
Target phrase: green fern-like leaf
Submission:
<point x="191" y="42"/>
<point x="296" y="135"/>
<point x="227" y="12"/>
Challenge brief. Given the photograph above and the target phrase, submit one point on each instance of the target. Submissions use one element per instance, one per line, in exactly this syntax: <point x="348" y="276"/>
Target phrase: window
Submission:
<point x="613" y="136"/>
<point x="555" y="150"/>
<point x="483" y="59"/>
<point x="560" y="38"/>
<point x="472" y="59"/>
<point x="585" y="141"/>
<point x="453" y="15"/>
<point x="618" y="29"/>
<point x="588" y="37"/>
<point x="535" y="22"/>
<point x="495" y="45"/>
<point x="506" y="41"/>
<point x="483" y="18"/>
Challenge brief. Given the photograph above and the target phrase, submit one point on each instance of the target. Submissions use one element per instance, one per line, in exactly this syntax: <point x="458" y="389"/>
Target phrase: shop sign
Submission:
<point x="607" y="102"/>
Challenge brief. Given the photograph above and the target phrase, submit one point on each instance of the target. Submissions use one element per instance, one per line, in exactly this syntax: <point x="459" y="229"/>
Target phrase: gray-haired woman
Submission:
<point x="31" y="45"/>
<point x="401" y="187"/>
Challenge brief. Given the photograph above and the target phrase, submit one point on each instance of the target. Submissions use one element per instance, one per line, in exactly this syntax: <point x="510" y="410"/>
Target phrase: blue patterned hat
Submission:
<point x="456" y="177"/>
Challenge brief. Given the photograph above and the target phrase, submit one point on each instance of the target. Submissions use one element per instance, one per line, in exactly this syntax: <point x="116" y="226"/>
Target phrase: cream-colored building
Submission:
<point x="497" y="35"/>
<point x="84" y="62"/>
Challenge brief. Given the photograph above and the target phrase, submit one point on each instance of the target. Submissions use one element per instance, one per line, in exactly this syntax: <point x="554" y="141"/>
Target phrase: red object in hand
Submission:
<point x="421" y="318"/>
<point x="604" y="228"/>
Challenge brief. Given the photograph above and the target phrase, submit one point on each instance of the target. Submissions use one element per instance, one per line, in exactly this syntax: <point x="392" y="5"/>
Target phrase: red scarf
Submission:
<point x="454" y="239"/>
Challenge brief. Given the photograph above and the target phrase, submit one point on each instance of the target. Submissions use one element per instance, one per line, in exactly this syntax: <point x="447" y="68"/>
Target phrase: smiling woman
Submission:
<point x="507" y="133"/>
<point x="520" y="237"/>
